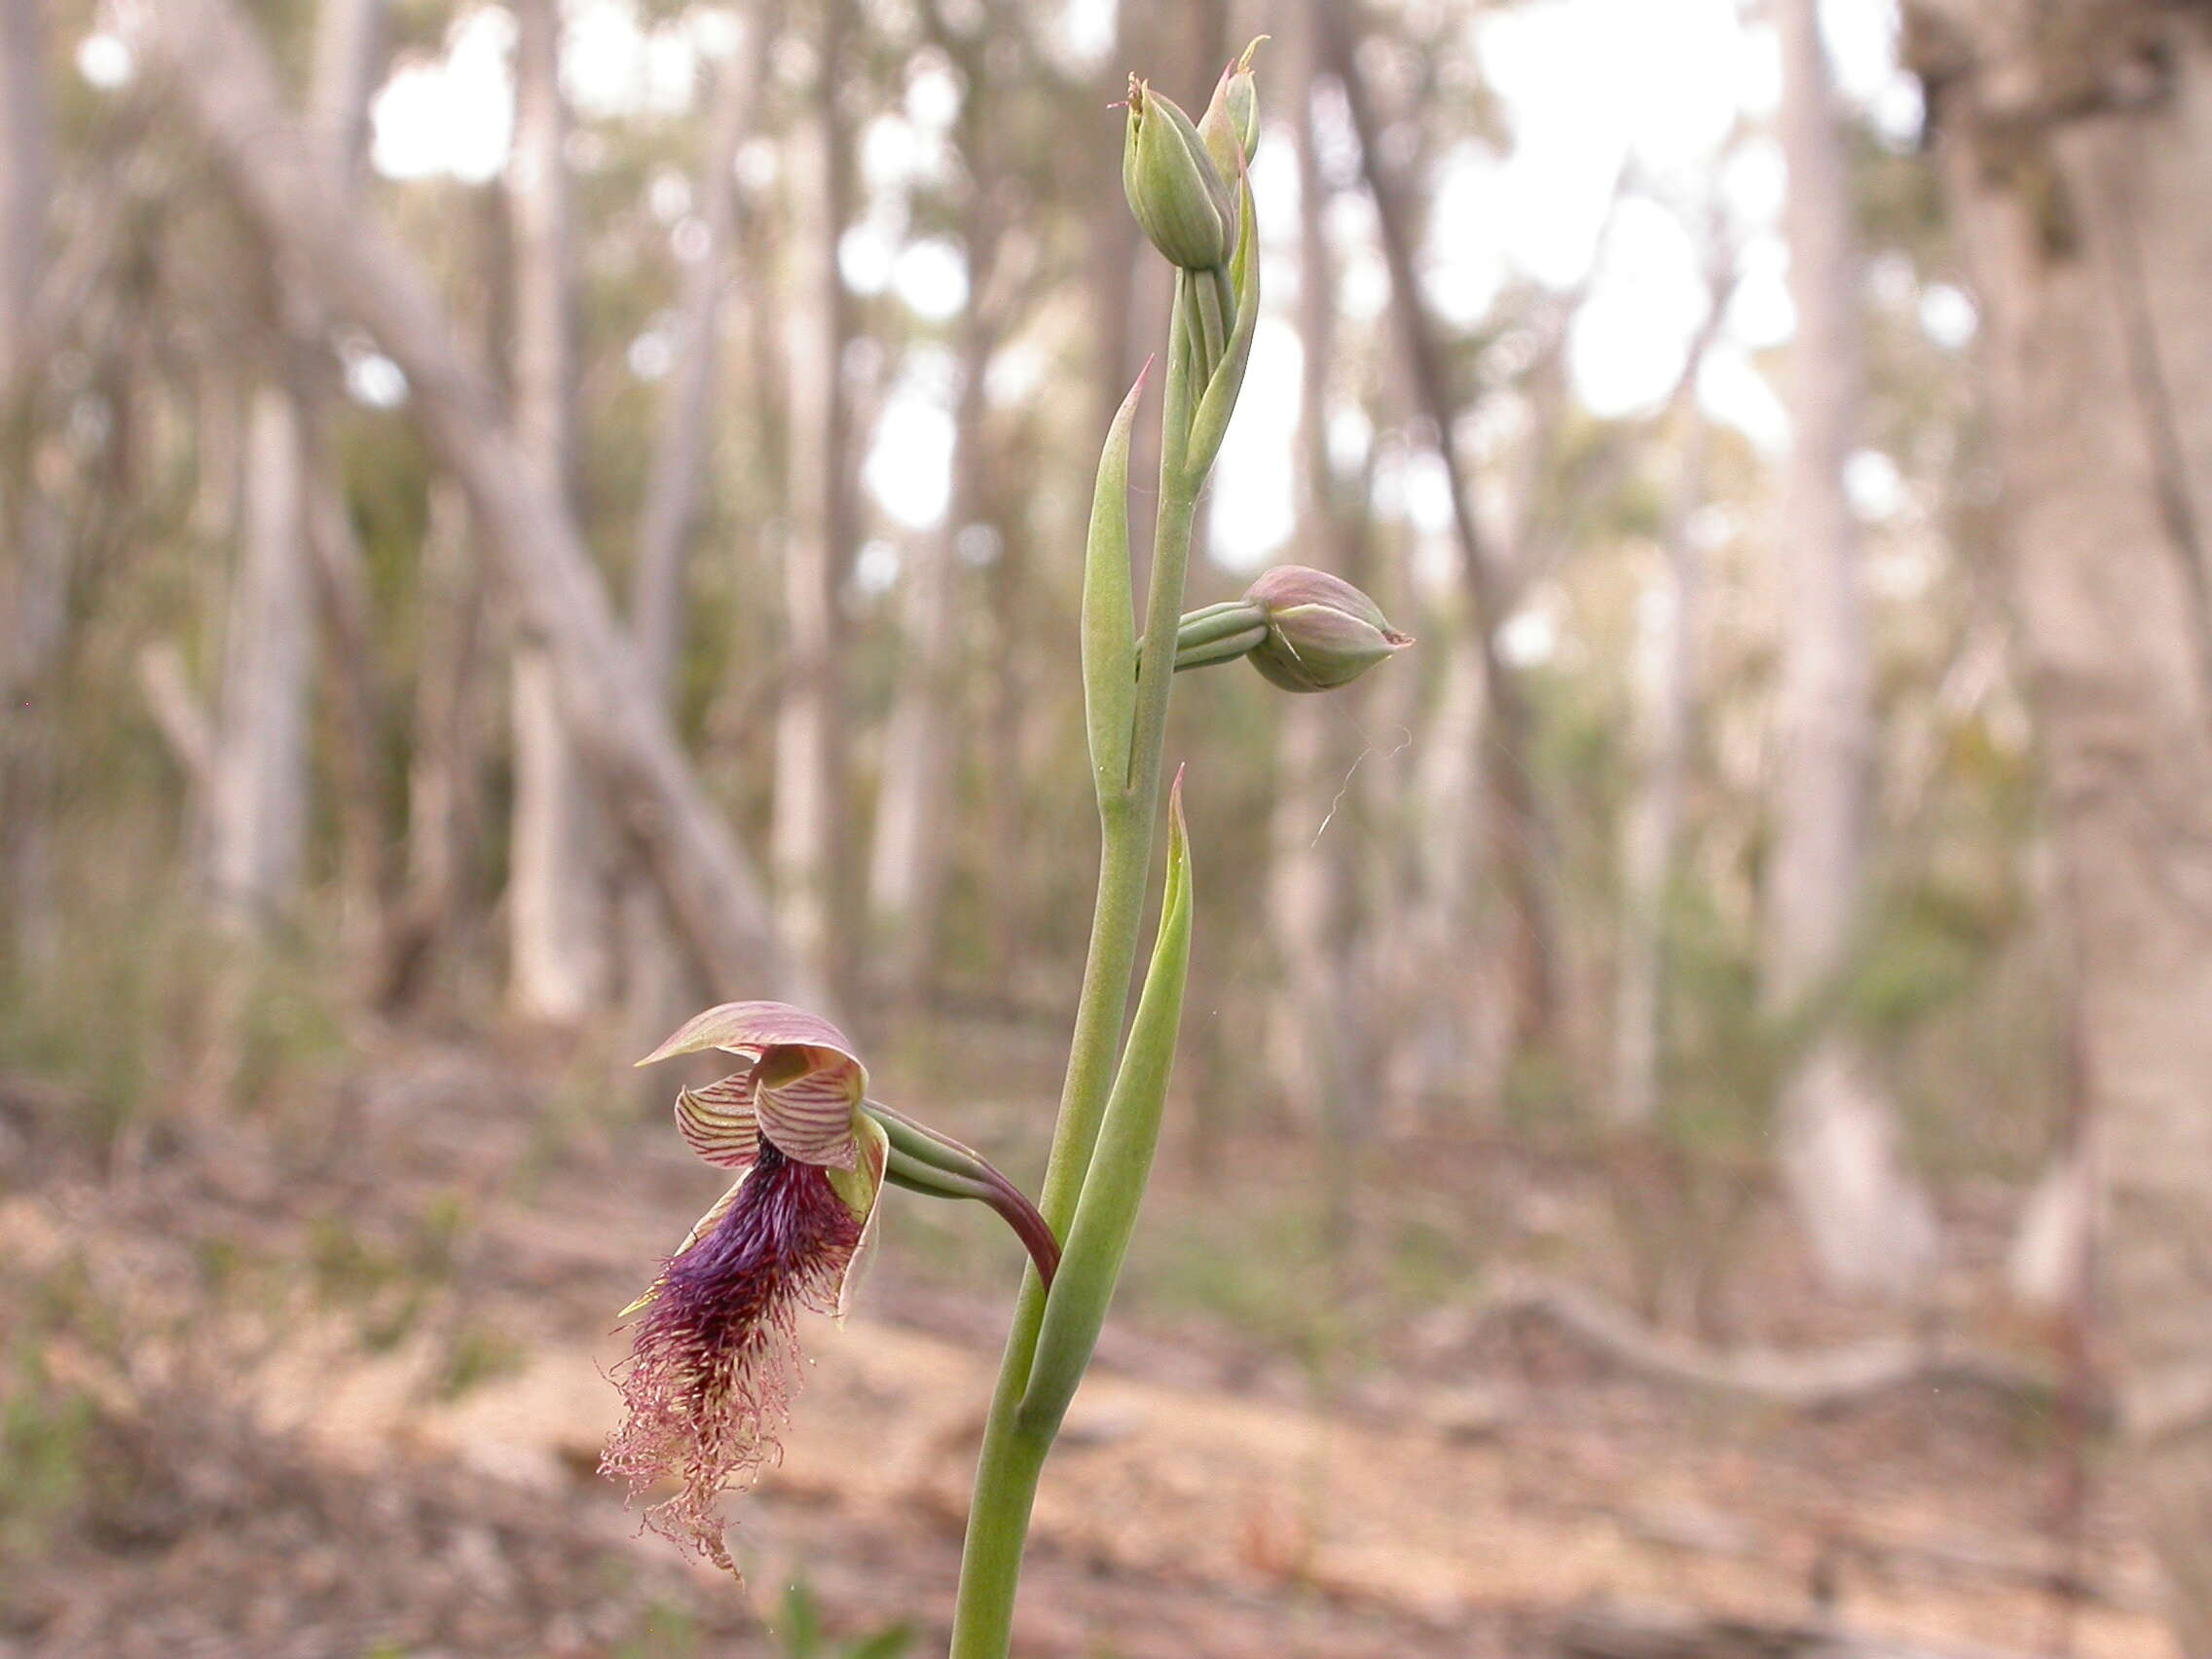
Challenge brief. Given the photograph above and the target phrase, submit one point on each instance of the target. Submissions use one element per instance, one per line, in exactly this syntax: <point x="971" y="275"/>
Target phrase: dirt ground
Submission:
<point x="331" y="1384"/>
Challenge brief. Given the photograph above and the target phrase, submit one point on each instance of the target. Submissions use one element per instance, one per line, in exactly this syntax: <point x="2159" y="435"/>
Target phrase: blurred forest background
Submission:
<point x="523" y="518"/>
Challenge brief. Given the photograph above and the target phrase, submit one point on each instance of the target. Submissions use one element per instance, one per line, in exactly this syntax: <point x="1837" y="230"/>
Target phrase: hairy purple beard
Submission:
<point x="714" y="1361"/>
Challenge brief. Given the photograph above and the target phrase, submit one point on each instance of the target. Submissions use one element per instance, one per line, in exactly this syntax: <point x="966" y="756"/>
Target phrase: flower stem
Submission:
<point x="1014" y="1452"/>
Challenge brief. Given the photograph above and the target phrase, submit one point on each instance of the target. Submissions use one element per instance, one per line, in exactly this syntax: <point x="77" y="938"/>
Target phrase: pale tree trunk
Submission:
<point x="341" y="586"/>
<point x="445" y="808"/>
<point x="2074" y="138"/>
<point x="451" y="718"/>
<point x="908" y="861"/>
<point x="807" y="834"/>
<point x="1309" y="887"/>
<point x="1666" y="697"/>
<point x="656" y="979"/>
<point x="560" y="963"/>
<point x="1460" y="1036"/>
<point x="257" y="794"/>
<point x="2047" y="1264"/>
<point x="25" y="179"/>
<point x="349" y="52"/>
<point x="257" y="799"/>
<point x="1670" y="1279"/>
<point x="671" y="511"/>
<point x="1518" y="842"/>
<point x="1007" y="595"/>
<point x="907" y="866"/>
<point x="1651" y="834"/>
<point x="349" y="47"/>
<point x="222" y="76"/>
<point x="33" y="554"/>
<point x="1868" y="1225"/>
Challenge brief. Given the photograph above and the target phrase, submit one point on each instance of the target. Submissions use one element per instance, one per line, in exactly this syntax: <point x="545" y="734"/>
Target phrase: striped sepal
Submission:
<point x="751" y="1028"/>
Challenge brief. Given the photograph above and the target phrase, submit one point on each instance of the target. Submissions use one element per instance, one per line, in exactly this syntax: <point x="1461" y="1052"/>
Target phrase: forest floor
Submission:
<point x="329" y="1383"/>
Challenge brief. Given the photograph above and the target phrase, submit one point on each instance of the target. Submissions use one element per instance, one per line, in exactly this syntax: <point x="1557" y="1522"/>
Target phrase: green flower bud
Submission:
<point x="1322" y="632"/>
<point x="1231" y="124"/>
<point x="1173" y="187"/>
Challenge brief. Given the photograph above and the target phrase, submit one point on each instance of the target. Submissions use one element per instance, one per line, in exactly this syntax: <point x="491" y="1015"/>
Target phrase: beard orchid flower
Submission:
<point x="714" y="1354"/>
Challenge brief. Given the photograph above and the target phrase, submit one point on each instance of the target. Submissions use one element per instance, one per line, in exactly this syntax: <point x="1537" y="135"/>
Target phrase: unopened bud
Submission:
<point x="1322" y="632"/>
<point x="1173" y="187"/>
<point x="1230" y="124"/>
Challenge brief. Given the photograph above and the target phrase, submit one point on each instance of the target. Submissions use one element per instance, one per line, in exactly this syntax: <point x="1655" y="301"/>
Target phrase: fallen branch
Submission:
<point x="1631" y="1631"/>
<point x="1812" y="1380"/>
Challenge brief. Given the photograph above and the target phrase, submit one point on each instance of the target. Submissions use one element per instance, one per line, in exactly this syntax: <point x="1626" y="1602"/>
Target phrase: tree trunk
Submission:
<point x="907" y="869"/>
<point x="672" y="488"/>
<point x="1518" y="842"/>
<point x="807" y="834"/>
<point x="222" y="75"/>
<point x="349" y="50"/>
<point x="1666" y="697"/>
<point x="1309" y="886"/>
<point x="657" y="982"/>
<point x="560" y="963"/>
<point x="1665" y="691"/>
<point x="445" y="807"/>
<point x="34" y="575"/>
<point x="2074" y="138"/>
<point x="349" y="40"/>
<point x="257" y="796"/>
<point x="259" y="785"/>
<point x="365" y="864"/>
<point x="25" y="181"/>
<point x="1868" y="1225"/>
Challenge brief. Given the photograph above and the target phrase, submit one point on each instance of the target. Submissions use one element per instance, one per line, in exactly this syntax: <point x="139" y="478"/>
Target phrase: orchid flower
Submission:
<point x="715" y="1356"/>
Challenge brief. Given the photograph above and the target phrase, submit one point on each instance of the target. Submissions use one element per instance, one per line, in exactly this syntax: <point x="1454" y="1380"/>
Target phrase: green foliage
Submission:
<point x="390" y="1283"/>
<point x="475" y="1356"/>
<point x="44" y="1431"/>
<point x="1925" y="958"/>
<point x="1257" y="1261"/>
<point x="669" y="1632"/>
<point x="799" y="1635"/>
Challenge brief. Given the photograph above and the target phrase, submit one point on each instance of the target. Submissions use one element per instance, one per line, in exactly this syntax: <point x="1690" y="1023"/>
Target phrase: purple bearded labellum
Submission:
<point x="714" y="1357"/>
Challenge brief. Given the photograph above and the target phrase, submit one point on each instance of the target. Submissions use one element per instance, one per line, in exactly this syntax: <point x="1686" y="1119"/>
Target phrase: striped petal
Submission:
<point x="808" y="1101"/>
<point x="752" y="1028"/>
<point x="718" y="1122"/>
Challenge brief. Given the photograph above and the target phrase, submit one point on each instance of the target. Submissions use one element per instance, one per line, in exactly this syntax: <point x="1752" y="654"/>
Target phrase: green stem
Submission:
<point x="917" y="1158"/>
<point x="1229" y="647"/>
<point x="1013" y="1453"/>
<point x="1213" y="326"/>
